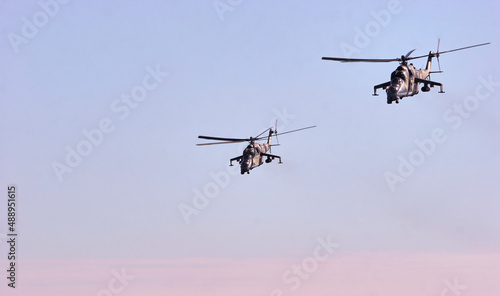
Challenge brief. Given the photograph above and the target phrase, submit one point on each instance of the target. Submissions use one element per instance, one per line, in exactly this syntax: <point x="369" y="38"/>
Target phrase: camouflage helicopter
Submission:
<point x="254" y="153"/>
<point x="405" y="80"/>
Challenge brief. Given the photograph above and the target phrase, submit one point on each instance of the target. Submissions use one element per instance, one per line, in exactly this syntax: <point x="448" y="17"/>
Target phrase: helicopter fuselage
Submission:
<point x="405" y="81"/>
<point x="253" y="155"/>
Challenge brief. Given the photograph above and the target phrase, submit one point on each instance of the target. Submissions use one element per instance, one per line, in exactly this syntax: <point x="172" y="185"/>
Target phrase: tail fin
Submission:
<point x="429" y="61"/>
<point x="270" y="137"/>
<point x="432" y="55"/>
<point x="276" y="131"/>
<point x="437" y="55"/>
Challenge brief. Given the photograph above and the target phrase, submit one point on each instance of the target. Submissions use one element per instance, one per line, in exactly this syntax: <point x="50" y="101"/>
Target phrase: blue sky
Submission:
<point x="231" y="73"/>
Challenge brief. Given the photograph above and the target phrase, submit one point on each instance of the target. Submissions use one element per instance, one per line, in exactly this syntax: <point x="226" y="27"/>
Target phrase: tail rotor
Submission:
<point x="437" y="55"/>
<point x="276" y="132"/>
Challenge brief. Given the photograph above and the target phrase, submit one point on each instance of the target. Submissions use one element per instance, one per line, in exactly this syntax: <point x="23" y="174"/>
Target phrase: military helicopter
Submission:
<point x="405" y="80"/>
<point x="254" y="153"/>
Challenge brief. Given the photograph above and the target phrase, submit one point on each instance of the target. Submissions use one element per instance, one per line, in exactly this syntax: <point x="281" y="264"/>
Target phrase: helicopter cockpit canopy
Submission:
<point x="249" y="150"/>
<point x="397" y="74"/>
<point x="246" y="160"/>
<point x="396" y="80"/>
<point x="397" y="77"/>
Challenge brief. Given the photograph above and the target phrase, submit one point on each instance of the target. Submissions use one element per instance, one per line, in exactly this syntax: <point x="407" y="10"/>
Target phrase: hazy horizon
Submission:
<point x="103" y="104"/>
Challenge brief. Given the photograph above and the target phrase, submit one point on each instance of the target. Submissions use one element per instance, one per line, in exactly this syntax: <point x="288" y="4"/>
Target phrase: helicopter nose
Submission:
<point x="245" y="165"/>
<point x="244" y="169"/>
<point x="392" y="90"/>
<point x="392" y="97"/>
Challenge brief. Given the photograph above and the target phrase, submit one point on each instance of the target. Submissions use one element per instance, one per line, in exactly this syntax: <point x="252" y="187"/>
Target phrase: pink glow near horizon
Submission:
<point x="443" y="274"/>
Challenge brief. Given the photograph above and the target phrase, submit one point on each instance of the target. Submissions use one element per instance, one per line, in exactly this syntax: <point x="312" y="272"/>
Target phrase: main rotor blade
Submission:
<point x="447" y="51"/>
<point x="257" y="137"/>
<point x="297" y="130"/>
<point x="349" y="60"/>
<point x="409" y="53"/>
<point x="233" y="140"/>
<point x="419" y="57"/>
<point x="217" y="143"/>
<point x="223" y="139"/>
<point x="463" y="48"/>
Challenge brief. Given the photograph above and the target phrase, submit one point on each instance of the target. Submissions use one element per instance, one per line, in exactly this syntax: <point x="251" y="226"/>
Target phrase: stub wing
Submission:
<point x="382" y="85"/>
<point x="431" y="83"/>
<point x="270" y="157"/>
<point x="238" y="159"/>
